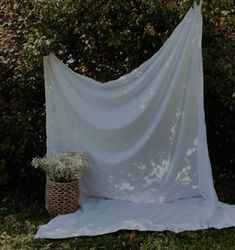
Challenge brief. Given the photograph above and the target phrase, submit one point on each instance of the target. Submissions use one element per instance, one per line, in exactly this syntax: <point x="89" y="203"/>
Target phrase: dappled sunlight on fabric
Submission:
<point x="157" y="173"/>
<point x="125" y="186"/>
<point x="183" y="176"/>
<point x="145" y="134"/>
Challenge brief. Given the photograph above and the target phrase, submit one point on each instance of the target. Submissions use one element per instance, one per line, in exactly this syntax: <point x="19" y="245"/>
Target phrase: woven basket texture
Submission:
<point x="62" y="198"/>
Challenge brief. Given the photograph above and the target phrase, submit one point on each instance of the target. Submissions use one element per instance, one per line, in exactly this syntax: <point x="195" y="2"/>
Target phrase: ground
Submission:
<point x="21" y="214"/>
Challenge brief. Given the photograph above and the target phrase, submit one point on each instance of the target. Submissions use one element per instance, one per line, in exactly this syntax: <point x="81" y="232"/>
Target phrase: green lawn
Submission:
<point x="21" y="216"/>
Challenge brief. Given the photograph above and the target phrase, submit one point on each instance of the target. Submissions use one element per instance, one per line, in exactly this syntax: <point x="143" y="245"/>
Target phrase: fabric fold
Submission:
<point x="146" y="139"/>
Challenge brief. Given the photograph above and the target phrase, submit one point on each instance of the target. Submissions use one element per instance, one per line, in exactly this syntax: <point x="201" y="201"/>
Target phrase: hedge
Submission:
<point x="103" y="40"/>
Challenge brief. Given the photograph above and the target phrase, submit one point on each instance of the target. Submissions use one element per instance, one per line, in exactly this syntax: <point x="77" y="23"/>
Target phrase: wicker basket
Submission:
<point x="62" y="198"/>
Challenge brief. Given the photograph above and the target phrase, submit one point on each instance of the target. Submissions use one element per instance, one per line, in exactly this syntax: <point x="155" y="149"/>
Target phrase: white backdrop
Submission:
<point x="146" y="138"/>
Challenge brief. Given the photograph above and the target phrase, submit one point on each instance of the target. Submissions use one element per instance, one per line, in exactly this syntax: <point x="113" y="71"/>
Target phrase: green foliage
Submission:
<point x="103" y="40"/>
<point x="219" y="64"/>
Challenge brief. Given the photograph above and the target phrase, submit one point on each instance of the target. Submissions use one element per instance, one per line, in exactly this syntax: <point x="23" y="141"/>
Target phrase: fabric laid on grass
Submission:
<point x="146" y="138"/>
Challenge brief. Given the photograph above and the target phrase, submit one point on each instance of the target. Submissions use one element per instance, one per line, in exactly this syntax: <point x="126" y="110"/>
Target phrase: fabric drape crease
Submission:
<point x="146" y="139"/>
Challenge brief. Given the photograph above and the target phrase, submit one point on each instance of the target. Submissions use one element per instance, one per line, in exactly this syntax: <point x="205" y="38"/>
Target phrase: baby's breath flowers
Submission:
<point x="62" y="167"/>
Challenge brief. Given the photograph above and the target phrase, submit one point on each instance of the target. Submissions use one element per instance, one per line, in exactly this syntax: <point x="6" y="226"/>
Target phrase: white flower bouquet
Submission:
<point x="62" y="167"/>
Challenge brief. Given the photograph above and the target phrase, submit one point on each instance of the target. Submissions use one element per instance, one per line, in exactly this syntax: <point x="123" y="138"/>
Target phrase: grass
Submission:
<point x="20" y="216"/>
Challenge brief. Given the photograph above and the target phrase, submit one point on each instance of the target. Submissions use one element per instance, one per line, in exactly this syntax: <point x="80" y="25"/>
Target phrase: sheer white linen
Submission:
<point x="146" y="138"/>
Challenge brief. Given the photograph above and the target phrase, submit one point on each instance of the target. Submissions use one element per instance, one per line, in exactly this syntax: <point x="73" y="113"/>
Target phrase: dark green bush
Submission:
<point x="103" y="40"/>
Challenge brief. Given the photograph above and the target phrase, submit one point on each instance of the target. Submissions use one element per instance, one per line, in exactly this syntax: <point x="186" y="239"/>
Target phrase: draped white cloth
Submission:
<point x="146" y="138"/>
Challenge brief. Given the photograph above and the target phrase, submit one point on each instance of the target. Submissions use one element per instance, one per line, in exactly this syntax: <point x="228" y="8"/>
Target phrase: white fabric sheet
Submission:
<point x="146" y="138"/>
